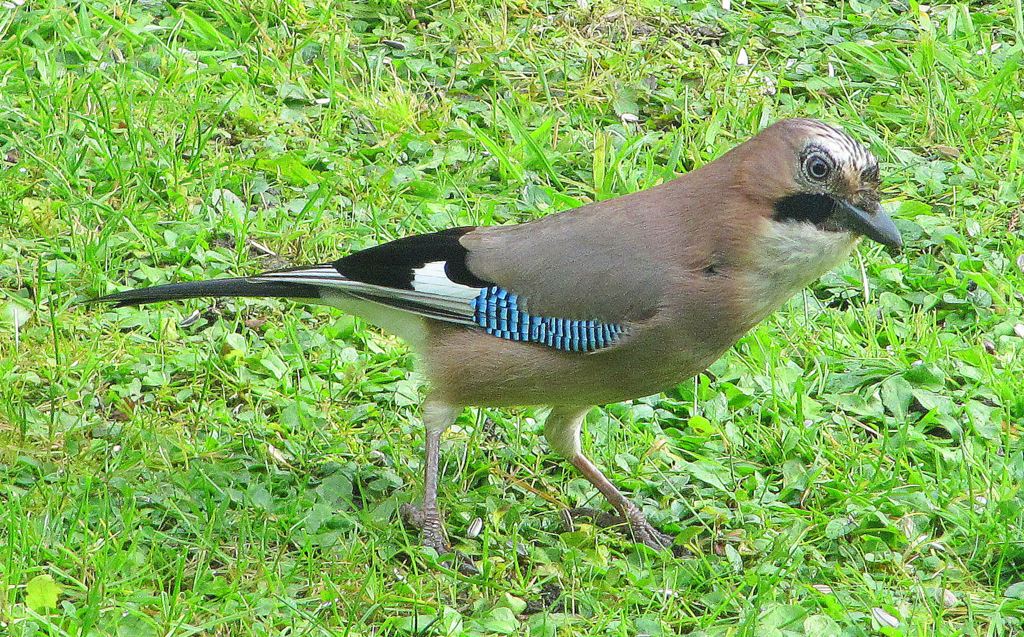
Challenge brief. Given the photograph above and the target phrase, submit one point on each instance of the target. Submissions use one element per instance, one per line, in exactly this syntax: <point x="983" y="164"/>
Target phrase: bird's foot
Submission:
<point x="433" y="536"/>
<point x="634" y="525"/>
<point x="430" y="526"/>
<point x="645" y="533"/>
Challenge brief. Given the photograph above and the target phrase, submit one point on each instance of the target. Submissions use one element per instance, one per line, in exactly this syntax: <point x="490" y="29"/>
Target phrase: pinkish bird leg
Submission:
<point x="426" y="517"/>
<point x="639" y="527"/>
<point x="562" y="430"/>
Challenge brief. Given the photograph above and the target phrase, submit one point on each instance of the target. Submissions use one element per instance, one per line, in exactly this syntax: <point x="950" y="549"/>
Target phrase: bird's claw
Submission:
<point x="644" y="532"/>
<point x="635" y="525"/>
<point x="433" y="536"/>
<point x="430" y="526"/>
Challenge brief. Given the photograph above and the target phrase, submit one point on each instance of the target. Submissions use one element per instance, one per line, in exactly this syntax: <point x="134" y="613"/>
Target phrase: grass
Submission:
<point x="852" y="467"/>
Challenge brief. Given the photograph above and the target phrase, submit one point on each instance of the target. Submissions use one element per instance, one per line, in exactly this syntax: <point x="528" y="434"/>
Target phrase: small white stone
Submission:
<point x="276" y="455"/>
<point x="885" y="618"/>
<point x="949" y="598"/>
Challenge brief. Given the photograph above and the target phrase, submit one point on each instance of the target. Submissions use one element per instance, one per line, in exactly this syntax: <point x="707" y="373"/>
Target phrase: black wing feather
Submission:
<point x="391" y="264"/>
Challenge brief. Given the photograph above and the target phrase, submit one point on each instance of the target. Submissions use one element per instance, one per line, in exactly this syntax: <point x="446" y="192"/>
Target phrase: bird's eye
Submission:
<point x="818" y="167"/>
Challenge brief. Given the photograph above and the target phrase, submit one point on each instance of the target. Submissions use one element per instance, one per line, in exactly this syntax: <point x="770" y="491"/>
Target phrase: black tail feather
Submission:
<point x="235" y="287"/>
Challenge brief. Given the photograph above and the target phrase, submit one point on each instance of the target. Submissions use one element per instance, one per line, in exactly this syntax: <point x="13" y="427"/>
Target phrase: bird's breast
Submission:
<point x="787" y="257"/>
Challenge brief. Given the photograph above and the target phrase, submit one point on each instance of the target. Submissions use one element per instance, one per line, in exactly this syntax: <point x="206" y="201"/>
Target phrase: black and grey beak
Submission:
<point x="875" y="224"/>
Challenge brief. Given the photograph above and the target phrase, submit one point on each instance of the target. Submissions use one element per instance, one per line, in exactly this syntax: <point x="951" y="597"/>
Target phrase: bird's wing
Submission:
<point x="606" y="261"/>
<point x="566" y="281"/>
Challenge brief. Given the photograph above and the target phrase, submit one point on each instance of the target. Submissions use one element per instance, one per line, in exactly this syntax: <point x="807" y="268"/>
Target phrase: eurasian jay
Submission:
<point x="607" y="302"/>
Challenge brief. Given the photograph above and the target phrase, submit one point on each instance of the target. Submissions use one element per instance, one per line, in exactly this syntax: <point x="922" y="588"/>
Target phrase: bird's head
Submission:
<point x="824" y="178"/>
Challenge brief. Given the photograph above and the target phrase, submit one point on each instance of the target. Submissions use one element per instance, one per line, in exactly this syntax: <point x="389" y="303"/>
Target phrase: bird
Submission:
<point x="606" y="302"/>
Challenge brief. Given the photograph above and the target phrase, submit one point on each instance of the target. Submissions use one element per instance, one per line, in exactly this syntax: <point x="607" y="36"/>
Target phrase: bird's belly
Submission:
<point x="468" y="367"/>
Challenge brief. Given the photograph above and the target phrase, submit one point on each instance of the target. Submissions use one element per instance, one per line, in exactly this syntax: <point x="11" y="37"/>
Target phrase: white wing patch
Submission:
<point x="432" y="279"/>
